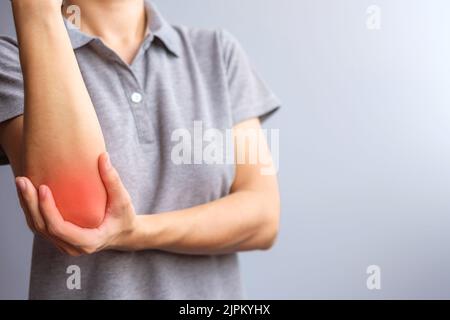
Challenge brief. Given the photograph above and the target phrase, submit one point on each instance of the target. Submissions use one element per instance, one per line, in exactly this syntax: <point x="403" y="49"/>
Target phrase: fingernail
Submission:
<point x="43" y="192"/>
<point x="107" y="162"/>
<point x="21" y="184"/>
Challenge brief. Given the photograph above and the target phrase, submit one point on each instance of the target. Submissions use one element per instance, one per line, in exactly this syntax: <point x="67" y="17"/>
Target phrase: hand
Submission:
<point x="43" y="216"/>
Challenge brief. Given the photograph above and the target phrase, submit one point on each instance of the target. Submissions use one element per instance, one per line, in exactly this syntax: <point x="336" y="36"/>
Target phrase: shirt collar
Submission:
<point x="158" y="27"/>
<point x="161" y="29"/>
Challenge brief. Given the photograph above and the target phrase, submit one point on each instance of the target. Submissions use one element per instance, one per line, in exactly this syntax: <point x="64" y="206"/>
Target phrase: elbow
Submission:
<point x="270" y="226"/>
<point x="270" y="235"/>
<point x="79" y="194"/>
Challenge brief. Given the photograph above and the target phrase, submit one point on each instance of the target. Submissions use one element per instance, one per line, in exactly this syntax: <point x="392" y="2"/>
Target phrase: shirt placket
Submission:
<point x="136" y="97"/>
<point x="138" y="100"/>
<point x="138" y="104"/>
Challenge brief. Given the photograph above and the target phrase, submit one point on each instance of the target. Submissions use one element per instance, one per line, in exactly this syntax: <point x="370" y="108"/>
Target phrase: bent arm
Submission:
<point x="247" y="219"/>
<point x="62" y="138"/>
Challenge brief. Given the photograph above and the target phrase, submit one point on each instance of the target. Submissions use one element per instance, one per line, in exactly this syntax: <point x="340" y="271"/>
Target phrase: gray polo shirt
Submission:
<point x="179" y="76"/>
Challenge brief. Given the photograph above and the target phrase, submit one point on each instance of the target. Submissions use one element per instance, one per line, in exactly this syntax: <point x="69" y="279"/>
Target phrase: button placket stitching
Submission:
<point x="138" y="104"/>
<point x="131" y="87"/>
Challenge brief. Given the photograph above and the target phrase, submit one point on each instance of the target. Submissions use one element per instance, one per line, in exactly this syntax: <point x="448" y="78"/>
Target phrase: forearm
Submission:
<point x="242" y="221"/>
<point x="62" y="137"/>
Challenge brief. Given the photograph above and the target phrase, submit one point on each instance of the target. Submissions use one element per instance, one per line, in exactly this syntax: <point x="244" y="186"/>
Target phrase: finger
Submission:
<point x="26" y="212"/>
<point x="34" y="217"/>
<point x="56" y="226"/>
<point x="20" y="185"/>
<point x="71" y="251"/>
<point x="30" y="203"/>
<point x="117" y="194"/>
<point x="27" y="215"/>
<point x="62" y="246"/>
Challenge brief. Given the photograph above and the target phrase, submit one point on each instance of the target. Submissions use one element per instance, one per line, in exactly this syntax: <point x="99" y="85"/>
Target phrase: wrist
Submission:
<point x="137" y="237"/>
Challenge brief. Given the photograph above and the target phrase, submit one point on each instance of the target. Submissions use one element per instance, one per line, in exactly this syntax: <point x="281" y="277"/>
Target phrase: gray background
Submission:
<point x="365" y="148"/>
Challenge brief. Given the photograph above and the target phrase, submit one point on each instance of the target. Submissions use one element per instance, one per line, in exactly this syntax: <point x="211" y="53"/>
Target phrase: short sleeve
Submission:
<point x="11" y="84"/>
<point x="249" y="95"/>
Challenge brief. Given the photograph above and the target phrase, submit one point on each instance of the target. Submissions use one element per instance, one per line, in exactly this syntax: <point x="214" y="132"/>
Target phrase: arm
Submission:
<point x="62" y="138"/>
<point x="247" y="219"/>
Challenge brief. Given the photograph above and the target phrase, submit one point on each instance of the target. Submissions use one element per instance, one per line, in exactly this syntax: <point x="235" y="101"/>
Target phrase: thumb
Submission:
<point x="117" y="194"/>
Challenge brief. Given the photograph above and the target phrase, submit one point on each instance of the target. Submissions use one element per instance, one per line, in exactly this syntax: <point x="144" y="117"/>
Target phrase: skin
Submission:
<point x="62" y="138"/>
<point x="246" y="219"/>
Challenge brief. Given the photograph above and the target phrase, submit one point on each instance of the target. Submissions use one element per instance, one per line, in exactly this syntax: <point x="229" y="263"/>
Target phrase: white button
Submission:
<point x="136" y="97"/>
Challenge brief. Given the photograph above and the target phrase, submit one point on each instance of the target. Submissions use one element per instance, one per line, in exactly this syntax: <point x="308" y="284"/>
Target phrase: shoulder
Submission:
<point x="201" y="35"/>
<point x="208" y="40"/>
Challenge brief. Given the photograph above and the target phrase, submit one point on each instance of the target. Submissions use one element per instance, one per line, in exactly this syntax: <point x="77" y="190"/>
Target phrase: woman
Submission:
<point x="135" y="222"/>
